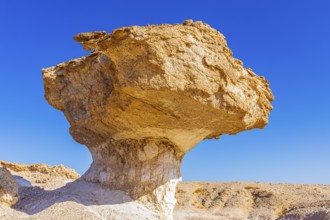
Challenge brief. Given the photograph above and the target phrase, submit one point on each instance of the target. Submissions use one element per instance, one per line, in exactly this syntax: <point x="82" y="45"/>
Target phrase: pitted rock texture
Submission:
<point x="8" y="187"/>
<point x="147" y="95"/>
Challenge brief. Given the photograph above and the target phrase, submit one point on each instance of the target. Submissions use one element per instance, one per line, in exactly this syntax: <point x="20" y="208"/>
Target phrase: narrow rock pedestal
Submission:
<point x="147" y="169"/>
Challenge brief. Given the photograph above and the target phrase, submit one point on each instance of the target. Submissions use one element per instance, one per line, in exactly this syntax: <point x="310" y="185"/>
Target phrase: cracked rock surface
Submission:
<point x="147" y="95"/>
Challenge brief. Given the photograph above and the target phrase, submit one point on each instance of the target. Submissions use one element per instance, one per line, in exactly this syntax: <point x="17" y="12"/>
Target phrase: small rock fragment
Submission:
<point x="8" y="187"/>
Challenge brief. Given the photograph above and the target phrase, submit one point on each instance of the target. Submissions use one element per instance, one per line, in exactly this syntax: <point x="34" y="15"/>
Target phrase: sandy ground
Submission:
<point x="53" y="194"/>
<point x="241" y="200"/>
<point x="79" y="200"/>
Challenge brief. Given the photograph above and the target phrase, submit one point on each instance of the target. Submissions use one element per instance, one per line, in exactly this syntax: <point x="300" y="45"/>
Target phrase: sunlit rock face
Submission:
<point x="147" y="95"/>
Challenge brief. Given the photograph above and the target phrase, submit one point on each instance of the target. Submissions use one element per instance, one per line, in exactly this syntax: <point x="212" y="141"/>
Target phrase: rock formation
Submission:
<point x="8" y="187"/>
<point x="147" y="95"/>
<point x="41" y="175"/>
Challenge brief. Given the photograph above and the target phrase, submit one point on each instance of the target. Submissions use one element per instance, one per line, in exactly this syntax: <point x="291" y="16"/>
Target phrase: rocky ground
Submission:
<point x="47" y="192"/>
<point x="243" y="200"/>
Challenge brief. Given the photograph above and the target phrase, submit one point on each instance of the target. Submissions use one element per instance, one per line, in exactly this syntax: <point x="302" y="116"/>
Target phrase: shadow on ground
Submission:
<point x="35" y="199"/>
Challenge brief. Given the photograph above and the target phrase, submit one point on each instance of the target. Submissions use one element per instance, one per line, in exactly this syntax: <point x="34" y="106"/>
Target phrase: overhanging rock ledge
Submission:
<point x="147" y="95"/>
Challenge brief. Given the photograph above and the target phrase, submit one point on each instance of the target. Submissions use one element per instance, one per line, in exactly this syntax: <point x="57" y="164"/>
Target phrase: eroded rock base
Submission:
<point x="147" y="170"/>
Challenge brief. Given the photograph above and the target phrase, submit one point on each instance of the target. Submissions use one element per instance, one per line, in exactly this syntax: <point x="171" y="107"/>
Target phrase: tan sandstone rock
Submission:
<point x="8" y="187"/>
<point x="41" y="175"/>
<point x="147" y="95"/>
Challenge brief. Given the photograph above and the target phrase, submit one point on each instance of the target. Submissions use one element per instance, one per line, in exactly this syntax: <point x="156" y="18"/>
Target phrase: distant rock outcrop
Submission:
<point x="147" y="95"/>
<point x="8" y="187"/>
<point x="41" y="175"/>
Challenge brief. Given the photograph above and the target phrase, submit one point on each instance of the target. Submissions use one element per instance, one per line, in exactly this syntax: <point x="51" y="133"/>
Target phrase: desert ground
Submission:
<point x="47" y="192"/>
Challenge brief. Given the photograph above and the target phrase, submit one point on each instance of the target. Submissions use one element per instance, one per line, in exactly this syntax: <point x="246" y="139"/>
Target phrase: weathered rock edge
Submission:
<point x="147" y="95"/>
<point x="8" y="187"/>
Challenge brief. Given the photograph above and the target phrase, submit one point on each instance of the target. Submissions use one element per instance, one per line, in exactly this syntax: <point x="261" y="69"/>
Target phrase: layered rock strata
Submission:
<point x="147" y="95"/>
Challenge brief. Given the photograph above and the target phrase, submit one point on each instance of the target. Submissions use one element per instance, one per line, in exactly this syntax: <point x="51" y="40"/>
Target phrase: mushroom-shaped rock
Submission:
<point x="147" y="95"/>
<point x="8" y="187"/>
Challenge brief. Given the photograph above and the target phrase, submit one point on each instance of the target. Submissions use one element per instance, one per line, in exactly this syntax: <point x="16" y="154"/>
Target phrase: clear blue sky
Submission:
<point x="288" y="42"/>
